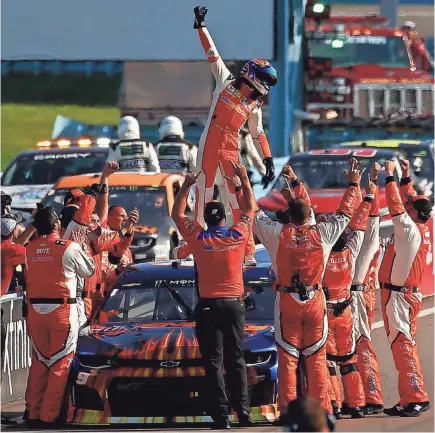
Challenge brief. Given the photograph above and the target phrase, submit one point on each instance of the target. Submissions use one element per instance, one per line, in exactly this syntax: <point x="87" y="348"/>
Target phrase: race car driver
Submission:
<point x="298" y="252"/>
<point x="340" y="268"/>
<point x="406" y="255"/>
<point x="174" y="153"/>
<point x="363" y="289"/>
<point x="53" y="269"/>
<point x="130" y="151"/>
<point x="235" y="101"/>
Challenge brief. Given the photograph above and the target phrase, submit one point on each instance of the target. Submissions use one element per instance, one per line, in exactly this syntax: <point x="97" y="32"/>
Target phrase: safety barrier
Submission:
<point x="89" y="68"/>
<point x="16" y="349"/>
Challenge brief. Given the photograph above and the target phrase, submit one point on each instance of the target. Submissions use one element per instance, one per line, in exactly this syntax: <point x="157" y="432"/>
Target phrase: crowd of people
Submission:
<point x="325" y="266"/>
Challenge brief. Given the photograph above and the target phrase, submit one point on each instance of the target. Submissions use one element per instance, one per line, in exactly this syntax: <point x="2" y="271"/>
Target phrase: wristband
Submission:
<point x="405" y="181"/>
<point x="389" y="179"/>
<point x="375" y="181"/>
<point x="353" y="184"/>
<point x="295" y="183"/>
<point x="238" y="188"/>
<point x="103" y="189"/>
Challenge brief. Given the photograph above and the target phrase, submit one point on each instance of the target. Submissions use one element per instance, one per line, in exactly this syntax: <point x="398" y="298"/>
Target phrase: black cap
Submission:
<point x="214" y="213"/>
<point x="44" y="220"/>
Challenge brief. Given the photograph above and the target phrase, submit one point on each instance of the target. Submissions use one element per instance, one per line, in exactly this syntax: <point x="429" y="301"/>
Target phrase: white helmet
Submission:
<point x="128" y="128"/>
<point x="171" y="125"/>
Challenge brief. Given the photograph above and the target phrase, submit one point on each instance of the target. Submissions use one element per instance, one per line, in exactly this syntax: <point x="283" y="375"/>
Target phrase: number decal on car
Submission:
<point x="82" y="378"/>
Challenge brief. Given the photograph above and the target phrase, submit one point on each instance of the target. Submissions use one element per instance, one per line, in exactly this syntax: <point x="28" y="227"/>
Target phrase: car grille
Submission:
<point x="165" y="397"/>
<point x="374" y="100"/>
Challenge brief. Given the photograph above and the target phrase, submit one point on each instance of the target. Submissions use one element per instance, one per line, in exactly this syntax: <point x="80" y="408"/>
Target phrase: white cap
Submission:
<point x="410" y="24"/>
<point x="128" y="128"/>
<point x="171" y="125"/>
<point x="9" y="222"/>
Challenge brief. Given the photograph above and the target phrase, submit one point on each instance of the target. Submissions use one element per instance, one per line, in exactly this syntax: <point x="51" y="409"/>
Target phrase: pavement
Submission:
<point x="376" y="423"/>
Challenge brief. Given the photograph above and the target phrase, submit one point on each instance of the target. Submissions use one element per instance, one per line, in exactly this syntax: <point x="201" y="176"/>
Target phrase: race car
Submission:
<point x="153" y="194"/>
<point x="419" y="153"/>
<point x="141" y="363"/>
<point x="32" y="173"/>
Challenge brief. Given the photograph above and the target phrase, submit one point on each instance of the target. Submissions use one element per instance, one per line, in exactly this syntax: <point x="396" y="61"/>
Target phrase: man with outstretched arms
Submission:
<point x="406" y="255"/>
<point x="299" y="253"/>
<point x="363" y="291"/>
<point x="235" y="102"/>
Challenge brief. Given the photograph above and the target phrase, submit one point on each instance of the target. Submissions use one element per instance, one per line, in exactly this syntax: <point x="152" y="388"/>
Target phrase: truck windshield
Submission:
<point x="328" y="171"/>
<point x="386" y="51"/>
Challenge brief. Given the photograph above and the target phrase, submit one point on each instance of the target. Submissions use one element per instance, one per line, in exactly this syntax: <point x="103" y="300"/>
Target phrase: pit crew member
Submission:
<point x="406" y="255"/>
<point x="363" y="289"/>
<point x="53" y="269"/>
<point x="298" y="251"/>
<point x="220" y="313"/>
<point x="341" y="343"/>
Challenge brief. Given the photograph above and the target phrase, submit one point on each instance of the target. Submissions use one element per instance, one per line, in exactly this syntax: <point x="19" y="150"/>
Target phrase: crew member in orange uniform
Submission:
<point x="400" y="275"/>
<point x="363" y="289"/>
<point x="299" y="251"/>
<point x="341" y="344"/>
<point x="54" y="267"/>
<point x="235" y="101"/>
<point x="220" y="312"/>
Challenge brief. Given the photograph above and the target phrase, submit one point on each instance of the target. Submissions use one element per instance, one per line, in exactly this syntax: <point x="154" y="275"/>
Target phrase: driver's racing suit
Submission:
<point x="363" y="291"/>
<point x="341" y="344"/>
<point x="406" y="256"/>
<point x="54" y="267"/>
<point x="219" y="143"/>
<point x="298" y="255"/>
<point x="134" y="155"/>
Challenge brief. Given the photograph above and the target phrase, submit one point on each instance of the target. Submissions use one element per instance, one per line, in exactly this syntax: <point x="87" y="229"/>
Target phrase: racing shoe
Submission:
<point x="250" y="260"/>
<point x="345" y="409"/>
<point x="356" y="412"/>
<point x="396" y="410"/>
<point x="415" y="409"/>
<point x="336" y="410"/>
<point x="373" y="409"/>
<point x="221" y="423"/>
<point x="244" y="419"/>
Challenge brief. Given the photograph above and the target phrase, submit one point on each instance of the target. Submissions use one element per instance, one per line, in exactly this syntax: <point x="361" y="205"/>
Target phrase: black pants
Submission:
<point x="220" y="333"/>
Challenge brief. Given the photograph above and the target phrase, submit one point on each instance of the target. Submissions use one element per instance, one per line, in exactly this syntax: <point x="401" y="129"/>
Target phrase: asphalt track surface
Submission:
<point x="376" y="423"/>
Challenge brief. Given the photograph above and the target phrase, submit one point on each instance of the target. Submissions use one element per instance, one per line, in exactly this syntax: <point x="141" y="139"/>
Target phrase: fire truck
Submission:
<point x="363" y="80"/>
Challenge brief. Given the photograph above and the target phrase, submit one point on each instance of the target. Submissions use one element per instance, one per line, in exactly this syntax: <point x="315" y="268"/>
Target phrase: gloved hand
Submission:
<point x="200" y="13"/>
<point x="270" y="169"/>
<point x="265" y="182"/>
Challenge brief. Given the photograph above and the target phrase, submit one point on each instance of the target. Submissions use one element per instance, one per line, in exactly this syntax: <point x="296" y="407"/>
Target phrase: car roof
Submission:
<point x="74" y="149"/>
<point x="176" y="270"/>
<point x="379" y="143"/>
<point x="120" y="179"/>
<point x="381" y="152"/>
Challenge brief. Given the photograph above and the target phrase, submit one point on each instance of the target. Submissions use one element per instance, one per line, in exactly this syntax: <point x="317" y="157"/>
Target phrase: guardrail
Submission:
<point x="89" y="68"/>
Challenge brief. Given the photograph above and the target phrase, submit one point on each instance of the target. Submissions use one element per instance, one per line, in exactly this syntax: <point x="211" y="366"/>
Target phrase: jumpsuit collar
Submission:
<point x="215" y="229"/>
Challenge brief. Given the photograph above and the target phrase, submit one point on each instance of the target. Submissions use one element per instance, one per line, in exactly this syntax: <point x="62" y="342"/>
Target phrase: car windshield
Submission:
<point x="421" y="159"/>
<point x="328" y="171"/>
<point x="161" y="301"/>
<point x="386" y="51"/>
<point x="45" y="167"/>
<point x="151" y="202"/>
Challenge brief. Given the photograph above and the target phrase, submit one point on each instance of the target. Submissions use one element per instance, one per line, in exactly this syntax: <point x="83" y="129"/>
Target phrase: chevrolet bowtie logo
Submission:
<point x="169" y="364"/>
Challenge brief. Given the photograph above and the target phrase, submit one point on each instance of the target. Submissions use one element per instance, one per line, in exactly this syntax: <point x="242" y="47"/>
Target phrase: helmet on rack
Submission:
<point x="260" y="74"/>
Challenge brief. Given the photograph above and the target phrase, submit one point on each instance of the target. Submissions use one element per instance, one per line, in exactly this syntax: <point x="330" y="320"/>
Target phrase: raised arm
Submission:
<point x="103" y="190"/>
<point x="217" y="65"/>
<point x="180" y="202"/>
<point x="331" y="231"/>
<point x="245" y="196"/>
<point x="406" y="185"/>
